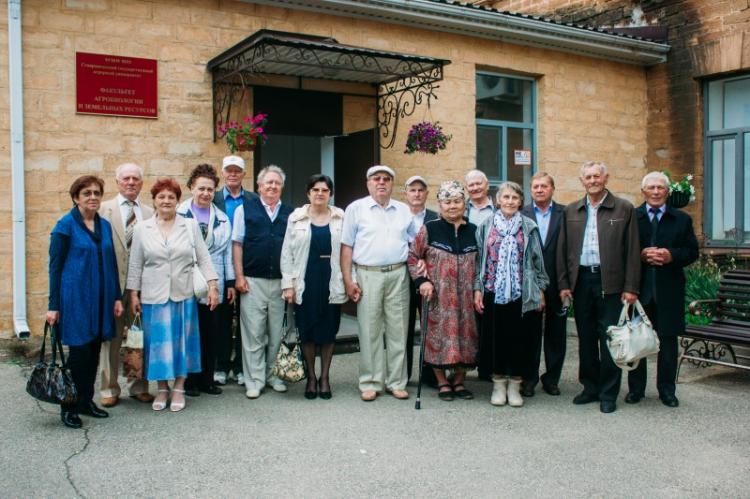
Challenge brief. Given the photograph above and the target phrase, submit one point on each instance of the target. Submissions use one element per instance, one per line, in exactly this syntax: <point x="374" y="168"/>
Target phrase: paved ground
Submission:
<point x="284" y="445"/>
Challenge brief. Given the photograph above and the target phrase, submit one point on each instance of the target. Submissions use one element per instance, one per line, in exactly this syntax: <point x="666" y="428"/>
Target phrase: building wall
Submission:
<point x="588" y="108"/>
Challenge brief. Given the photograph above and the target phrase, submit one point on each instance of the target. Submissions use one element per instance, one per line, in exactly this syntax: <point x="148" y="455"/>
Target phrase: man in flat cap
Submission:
<point x="375" y="244"/>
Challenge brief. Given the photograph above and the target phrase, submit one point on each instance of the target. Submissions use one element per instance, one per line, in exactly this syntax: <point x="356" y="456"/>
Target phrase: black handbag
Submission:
<point x="52" y="382"/>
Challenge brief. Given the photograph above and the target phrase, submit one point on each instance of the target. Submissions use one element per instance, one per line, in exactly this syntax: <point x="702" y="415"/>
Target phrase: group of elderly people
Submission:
<point x="494" y="281"/>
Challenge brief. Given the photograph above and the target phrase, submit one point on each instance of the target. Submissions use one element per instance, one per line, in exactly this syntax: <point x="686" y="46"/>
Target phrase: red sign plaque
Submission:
<point x="116" y="86"/>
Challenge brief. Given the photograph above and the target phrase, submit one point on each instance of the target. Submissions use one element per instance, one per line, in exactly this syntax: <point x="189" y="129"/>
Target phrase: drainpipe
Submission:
<point x="15" y="70"/>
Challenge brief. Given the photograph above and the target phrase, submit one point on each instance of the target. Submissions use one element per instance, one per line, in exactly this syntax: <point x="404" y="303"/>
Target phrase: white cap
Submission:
<point x="380" y="168"/>
<point x="233" y="161"/>
<point x="415" y="178"/>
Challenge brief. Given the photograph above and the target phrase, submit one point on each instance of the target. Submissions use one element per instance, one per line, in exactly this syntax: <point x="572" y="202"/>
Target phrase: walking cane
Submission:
<point x="423" y="337"/>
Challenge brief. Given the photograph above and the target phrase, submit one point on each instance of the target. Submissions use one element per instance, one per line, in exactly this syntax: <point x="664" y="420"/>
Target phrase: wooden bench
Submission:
<point x="729" y="327"/>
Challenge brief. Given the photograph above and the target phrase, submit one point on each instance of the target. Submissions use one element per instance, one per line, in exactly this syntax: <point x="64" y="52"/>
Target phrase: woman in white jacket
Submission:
<point x="217" y="233"/>
<point x="311" y="278"/>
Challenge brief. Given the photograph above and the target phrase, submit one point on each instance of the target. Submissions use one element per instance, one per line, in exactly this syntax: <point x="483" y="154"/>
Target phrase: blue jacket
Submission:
<point x="261" y="249"/>
<point x="84" y="295"/>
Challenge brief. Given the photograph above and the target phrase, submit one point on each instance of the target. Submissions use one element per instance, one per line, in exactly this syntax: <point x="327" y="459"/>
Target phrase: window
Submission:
<point x="506" y="123"/>
<point x="727" y="161"/>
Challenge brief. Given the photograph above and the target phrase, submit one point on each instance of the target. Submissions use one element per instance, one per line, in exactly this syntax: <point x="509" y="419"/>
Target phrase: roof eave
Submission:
<point x="484" y="23"/>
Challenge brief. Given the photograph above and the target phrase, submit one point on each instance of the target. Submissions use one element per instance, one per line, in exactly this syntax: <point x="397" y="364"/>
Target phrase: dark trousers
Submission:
<point x="505" y="335"/>
<point x="551" y="327"/>
<point x="415" y="305"/>
<point x="83" y="362"/>
<point x="594" y="312"/>
<point x="229" y="338"/>
<point x="209" y="324"/>
<point x="666" y="361"/>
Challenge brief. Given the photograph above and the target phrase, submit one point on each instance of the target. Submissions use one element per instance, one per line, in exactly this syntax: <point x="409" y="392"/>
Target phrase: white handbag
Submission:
<point x="200" y="285"/>
<point x="134" y="334"/>
<point x="632" y="339"/>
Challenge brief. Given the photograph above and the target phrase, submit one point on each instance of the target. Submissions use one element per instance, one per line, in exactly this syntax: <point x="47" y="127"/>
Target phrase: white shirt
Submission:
<point x="378" y="236"/>
<point x="238" y="224"/>
<point x="122" y="202"/>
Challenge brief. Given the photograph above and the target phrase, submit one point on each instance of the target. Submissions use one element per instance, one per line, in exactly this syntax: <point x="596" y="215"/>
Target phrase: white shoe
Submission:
<point x="514" y="393"/>
<point x="279" y="387"/>
<point x="220" y="378"/>
<point x="240" y="379"/>
<point x="252" y="393"/>
<point x="499" y="387"/>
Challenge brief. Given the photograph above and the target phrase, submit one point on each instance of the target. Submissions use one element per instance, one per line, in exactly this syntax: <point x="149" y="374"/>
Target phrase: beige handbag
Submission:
<point x="200" y="285"/>
<point x="632" y="339"/>
<point x="133" y="334"/>
<point x="290" y="365"/>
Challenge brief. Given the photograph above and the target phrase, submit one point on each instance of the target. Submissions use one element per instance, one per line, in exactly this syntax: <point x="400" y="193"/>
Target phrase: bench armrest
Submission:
<point x="703" y="307"/>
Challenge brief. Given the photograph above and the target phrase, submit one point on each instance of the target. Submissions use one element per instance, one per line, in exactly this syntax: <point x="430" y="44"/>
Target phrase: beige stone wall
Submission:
<point x="588" y="109"/>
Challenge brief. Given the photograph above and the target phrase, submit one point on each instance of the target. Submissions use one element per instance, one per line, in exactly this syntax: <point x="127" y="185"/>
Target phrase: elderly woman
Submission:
<point x="84" y="292"/>
<point x="217" y="234"/>
<point x="510" y="282"/>
<point x="448" y="248"/>
<point x="160" y="282"/>
<point x="311" y="278"/>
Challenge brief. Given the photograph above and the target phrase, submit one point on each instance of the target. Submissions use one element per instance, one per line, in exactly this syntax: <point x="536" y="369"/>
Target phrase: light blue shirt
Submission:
<point x="542" y="220"/>
<point x="231" y="203"/>
<point x="590" y="249"/>
<point x="477" y="215"/>
<point x="662" y="209"/>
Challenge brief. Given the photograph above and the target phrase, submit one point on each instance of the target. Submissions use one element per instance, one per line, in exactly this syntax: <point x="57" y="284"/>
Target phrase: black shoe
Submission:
<point x="551" y="389"/>
<point x="324" y="395"/>
<point x="607" y="406"/>
<point x="669" y="400"/>
<point x="311" y="394"/>
<point x="71" y="419"/>
<point x="633" y="398"/>
<point x="92" y="410"/>
<point x="212" y="390"/>
<point x="584" y="398"/>
<point x="527" y="390"/>
<point x="192" y="392"/>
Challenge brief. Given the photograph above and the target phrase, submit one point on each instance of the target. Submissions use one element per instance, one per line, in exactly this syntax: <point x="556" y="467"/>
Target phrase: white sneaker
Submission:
<point x="240" y="379"/>
<point x="252" y="393"/>
<point x="220" y="378"/>
<point x="279" y="387"/>
<point x="499" y="391"/>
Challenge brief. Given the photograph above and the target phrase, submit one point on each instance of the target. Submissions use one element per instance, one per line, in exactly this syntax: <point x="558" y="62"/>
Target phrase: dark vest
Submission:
<point x="261" y="248"/>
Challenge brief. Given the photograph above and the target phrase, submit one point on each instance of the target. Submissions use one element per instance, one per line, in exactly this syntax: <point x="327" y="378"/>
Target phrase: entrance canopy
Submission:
<point x="403" y="81"/>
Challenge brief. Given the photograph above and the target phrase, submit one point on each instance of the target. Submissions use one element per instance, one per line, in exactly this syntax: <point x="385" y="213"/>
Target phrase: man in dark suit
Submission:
<point x="227" y="200"/>
<point x="551" y="323"/>
<point x="416" y="192"/>
<point x="668" y="244"/>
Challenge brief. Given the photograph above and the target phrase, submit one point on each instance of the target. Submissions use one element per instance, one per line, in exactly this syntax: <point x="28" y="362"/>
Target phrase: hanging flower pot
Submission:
<point x="682" y="192"/>
<point x="426" y="138"/>
<point x="246" y="135"/>
<point x="679" y="199"/>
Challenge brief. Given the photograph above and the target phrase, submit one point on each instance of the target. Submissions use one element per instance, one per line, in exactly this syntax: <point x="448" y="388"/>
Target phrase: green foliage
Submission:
<point x="702" y="283"/>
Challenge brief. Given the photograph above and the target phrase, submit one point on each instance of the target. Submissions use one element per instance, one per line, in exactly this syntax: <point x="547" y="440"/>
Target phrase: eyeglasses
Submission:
<point x="381" y="178"/>
<point x="320" y="190"/>
<point x="90" y="194"/>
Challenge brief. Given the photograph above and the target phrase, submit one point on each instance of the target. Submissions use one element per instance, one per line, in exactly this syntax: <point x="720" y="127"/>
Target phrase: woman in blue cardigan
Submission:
<point x="84" y="292"/>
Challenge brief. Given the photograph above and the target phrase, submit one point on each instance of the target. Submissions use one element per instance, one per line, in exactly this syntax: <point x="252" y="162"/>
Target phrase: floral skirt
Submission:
<point x="171" y="340"/>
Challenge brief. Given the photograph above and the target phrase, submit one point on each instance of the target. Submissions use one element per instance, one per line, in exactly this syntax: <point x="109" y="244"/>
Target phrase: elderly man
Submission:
<point x="416" y="192"/>
<point x="257" y="235"/>
<point x="227" y="200"/>
<point x="598" y="265"/>
<point x="551" y="323"/>
<point x="375" y="238"/>
<point x="123" y="212"/>
<point x="668" y="245"/>
<point x="479" y="205"/>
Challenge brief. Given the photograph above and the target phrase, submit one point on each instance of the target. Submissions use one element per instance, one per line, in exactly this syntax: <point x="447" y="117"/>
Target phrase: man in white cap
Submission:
<point x="375" y="239"/>
<point x="416" y="191"/>
<point x="227" y="200"/>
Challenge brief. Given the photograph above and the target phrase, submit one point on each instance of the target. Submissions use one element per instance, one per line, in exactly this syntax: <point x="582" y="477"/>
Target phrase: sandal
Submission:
<point x="446" y="395"/>
<point x="461" y="392"/>
<point x="177" y="406"/>
<point x="160" y="405"/>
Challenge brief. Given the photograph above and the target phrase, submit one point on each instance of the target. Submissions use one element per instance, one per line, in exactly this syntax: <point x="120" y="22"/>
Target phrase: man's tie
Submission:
<point x="130" y="223"/>
<point x="654" y="224"/>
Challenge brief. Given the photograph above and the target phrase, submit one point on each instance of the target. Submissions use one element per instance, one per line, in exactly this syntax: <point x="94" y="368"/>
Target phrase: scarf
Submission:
<point x="508" y="270"/>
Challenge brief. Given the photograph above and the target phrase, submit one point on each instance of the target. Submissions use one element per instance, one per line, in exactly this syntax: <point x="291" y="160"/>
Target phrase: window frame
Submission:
<point x="502" y="126"/>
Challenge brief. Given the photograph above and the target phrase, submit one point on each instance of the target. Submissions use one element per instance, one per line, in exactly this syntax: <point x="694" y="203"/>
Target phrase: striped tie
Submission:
<point x="130" y="224"/>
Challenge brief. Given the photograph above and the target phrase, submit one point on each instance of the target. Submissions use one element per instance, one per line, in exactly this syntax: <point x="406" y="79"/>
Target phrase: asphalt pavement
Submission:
<point x="282" y="445"/>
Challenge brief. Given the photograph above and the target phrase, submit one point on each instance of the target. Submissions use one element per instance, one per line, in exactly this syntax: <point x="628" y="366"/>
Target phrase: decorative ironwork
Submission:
<point x="701" y="353"/>
<point x="403" y="81"/>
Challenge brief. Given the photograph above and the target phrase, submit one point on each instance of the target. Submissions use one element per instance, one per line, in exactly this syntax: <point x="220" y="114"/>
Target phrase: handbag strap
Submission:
<point x="47" y="328"/>
<point x="624" y="314"/>
<point x="137" y="320"/>
<point x="642" y="313"/>
<point x="285" y="324"/>
<point x="57" y="345"/>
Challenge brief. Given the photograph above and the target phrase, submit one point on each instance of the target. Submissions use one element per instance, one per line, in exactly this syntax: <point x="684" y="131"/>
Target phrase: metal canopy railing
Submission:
<point x="403" y="81"/>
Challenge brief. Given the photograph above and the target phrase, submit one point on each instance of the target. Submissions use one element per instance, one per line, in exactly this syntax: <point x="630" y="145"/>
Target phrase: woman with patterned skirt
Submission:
<point x="448" y="248"/>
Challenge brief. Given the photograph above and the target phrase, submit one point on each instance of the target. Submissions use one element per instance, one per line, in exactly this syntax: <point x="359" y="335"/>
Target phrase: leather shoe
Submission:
<point x="71" y="419"/>
<point x="368" y="395"/>
<point x="584" y="398"/>
<point x="92" y="410"/>
<point x="551" y="389"/>
<point x="669" y="400"/>
<point x="192" y="392"/>
<point x="145" y="397"/>
<point x="527" y="390"/>
<point x="633" y="398"/>
<point x="212" y="390"/>
<point x="109" y="401"/>
<point x="607" y="406"/>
